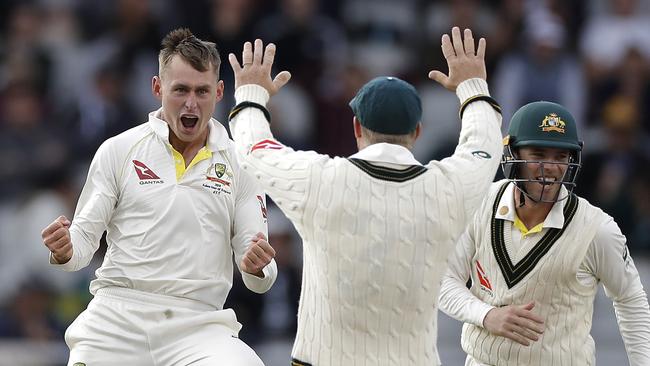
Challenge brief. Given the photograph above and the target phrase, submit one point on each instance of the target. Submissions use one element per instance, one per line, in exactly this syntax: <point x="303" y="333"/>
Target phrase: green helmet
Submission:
<point x="542" y="124"/>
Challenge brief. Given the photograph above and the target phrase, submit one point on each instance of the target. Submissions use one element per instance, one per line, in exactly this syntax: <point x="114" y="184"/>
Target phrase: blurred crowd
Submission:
<point x="75" y="72"/>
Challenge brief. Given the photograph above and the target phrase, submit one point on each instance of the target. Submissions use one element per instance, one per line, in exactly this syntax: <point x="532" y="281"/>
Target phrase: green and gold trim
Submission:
<point x="515" y="273"/>
<point x="295" y="362"/>
<point x="389" y="174"/>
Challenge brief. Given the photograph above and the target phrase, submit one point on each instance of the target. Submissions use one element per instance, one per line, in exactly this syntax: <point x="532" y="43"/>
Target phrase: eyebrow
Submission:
<point x="184" y="85"/>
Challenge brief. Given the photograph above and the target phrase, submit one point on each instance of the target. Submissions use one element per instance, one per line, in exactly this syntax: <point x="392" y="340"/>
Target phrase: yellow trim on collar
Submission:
<point x="179" y="161"/>
<point x="524" y="230"/>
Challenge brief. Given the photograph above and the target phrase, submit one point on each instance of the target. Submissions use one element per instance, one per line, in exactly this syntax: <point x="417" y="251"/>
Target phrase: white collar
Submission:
<point x="506" y="208"/>
<point x="217" y="137"/>
<point x="385" y="153"/>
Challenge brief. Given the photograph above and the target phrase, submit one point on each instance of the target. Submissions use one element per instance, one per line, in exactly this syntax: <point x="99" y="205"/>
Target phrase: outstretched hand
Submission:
<point x="256" y="66"/>
<point x="463" y="61"/>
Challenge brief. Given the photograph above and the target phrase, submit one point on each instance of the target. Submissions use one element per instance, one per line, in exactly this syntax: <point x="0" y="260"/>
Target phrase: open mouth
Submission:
<point x="189" y="121"/>
<point x="545" y="181"/>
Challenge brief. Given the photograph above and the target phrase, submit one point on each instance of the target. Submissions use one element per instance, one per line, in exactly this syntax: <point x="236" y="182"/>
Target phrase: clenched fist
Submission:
<point x="56" y="237"/>
<point x="258" y="255"/>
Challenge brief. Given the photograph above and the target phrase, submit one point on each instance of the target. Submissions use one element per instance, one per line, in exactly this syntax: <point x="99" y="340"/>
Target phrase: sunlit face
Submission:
<point x="188" y="99"/>
<point x="550" y="165"/>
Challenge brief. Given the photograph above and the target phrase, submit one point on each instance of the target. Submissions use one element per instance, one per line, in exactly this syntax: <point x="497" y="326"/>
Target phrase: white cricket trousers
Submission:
<point x="129" y="327"/>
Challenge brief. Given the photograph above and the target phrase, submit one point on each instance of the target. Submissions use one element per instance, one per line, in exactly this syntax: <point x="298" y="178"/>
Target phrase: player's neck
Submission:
<point x="187" y="149"/>
<point x="531" y="213"/>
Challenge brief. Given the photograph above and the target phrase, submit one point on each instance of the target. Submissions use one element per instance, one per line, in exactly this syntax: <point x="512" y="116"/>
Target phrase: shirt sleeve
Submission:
<point x="95" y="208"/>
<point x="474" y="163"/>
<point x="282" y="172"/>
<point x="250" y="218"/>
<point x="609" y="260"/>
<point x="455" y="299"/>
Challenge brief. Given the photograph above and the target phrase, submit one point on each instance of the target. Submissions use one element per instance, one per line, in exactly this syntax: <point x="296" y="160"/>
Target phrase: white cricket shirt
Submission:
<point x="168" y="233"/>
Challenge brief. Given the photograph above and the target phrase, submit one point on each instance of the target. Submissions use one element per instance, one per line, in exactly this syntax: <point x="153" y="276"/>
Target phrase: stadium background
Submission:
<point x="75" y="72"/>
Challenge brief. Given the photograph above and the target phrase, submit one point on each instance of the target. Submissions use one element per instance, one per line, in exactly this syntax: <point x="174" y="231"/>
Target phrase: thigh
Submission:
<point x="106" y="334"/>
<point x="200" y="339"/>
<point x="229" y="352"/>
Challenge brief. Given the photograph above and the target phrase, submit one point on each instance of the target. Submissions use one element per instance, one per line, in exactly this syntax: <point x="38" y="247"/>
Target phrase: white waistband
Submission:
<point x="152" y="299"/>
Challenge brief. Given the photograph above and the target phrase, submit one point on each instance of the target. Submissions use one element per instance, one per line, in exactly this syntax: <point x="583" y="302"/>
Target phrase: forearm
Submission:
<point x="479" y="149"/>
<point x="457" y="301"/>
<point x="633" y="316"/>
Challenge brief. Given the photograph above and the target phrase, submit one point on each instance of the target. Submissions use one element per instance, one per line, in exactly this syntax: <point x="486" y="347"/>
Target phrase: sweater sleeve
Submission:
<point x="610" y="262"/>
<point x="474" y="163"/>
<point x="283" y="172"/>
<point x="455" y="299"/>
<point x="94" y="208"/>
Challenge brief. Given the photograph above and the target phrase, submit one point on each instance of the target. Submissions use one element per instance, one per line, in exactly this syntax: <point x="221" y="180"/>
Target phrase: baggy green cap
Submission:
<point x="388" y="105"/>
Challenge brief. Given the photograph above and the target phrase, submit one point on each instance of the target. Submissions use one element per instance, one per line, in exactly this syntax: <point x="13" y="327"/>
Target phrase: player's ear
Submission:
<point x="357" y="127"/>
<point x="156" y="87"/>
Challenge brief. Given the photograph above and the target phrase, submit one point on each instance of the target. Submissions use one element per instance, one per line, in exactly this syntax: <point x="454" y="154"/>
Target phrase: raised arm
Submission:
<point x="473" y="165"/>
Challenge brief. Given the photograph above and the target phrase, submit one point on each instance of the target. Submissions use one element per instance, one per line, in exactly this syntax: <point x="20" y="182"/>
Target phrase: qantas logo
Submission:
<point x="482" y="278"/>
<point x="267" y="145"/>
<point x="146" y="175"/>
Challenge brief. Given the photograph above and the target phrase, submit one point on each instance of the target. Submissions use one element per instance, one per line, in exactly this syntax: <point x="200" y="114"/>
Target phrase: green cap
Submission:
<point x="543" y="124"/>
<point x="388" y="105"/>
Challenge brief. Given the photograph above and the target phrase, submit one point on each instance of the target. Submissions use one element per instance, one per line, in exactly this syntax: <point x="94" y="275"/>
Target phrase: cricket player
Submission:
<point x="176" y="206"/>
<point x="536" y="253"/>
<point x="378" y="226"/>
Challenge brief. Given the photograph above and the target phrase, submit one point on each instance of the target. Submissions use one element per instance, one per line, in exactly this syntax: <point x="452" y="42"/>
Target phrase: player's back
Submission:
<point x="376" y="241"/>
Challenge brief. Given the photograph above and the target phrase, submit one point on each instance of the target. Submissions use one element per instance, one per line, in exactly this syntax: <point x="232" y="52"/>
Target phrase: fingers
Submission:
<point x="262" y="249"/>
<point x="257" y="52"/>
<point x="60" y="222"/>
<point x="247" y="54"/>
<point x="481" y="49"/>
<point x="269" y="55"/>
<point x="234" y="63"/>
<point x="53" y="238"/>
<point x="457" y="40"/>
<point x="468" y="41"/>
<point x="438" y="77"/>
<point x="447" y="47"/>
<point x="281" y="79"/>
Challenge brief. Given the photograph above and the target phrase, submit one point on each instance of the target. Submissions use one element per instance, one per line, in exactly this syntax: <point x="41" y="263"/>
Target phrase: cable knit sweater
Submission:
<point x="376" y="229"/>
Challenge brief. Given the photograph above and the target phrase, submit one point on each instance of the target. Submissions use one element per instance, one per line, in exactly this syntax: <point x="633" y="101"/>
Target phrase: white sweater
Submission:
<point x="563" y="284"/>
<point x="375" y="238"/>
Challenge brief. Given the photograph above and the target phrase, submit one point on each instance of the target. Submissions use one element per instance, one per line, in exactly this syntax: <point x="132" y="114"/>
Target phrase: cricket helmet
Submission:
<point x="547" y="125"/>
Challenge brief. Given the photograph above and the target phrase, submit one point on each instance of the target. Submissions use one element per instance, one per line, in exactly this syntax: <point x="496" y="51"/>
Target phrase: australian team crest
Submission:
<point x="552" y="122"/>
<point x="219" y="169"/>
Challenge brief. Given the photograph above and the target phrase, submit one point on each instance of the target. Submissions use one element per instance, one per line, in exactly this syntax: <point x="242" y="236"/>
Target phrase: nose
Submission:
<point x="190" y="102"/>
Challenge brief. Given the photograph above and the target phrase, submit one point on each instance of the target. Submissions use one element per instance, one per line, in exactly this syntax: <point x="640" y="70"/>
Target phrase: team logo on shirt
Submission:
<point x="267" y="145"/>
<point x="146" y="175"/>
<point x="262" y="206"/>
<point x="217" y="176"/>
<point x="219" y="169"/>
<point x="483" y="280"/>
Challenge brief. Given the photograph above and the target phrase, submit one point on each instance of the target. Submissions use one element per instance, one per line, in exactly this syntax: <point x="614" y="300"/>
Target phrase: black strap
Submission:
<point x="481" y="97"/>
<point x="243" y="105"/>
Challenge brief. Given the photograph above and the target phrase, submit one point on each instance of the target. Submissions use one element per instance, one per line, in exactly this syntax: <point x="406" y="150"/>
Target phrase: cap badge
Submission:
<point x="552" y="122"/>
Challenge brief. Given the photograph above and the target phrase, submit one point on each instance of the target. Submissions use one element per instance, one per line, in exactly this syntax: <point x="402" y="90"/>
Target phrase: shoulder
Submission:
<point x="129" y="137"/>
<point x="607" y="229"/>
